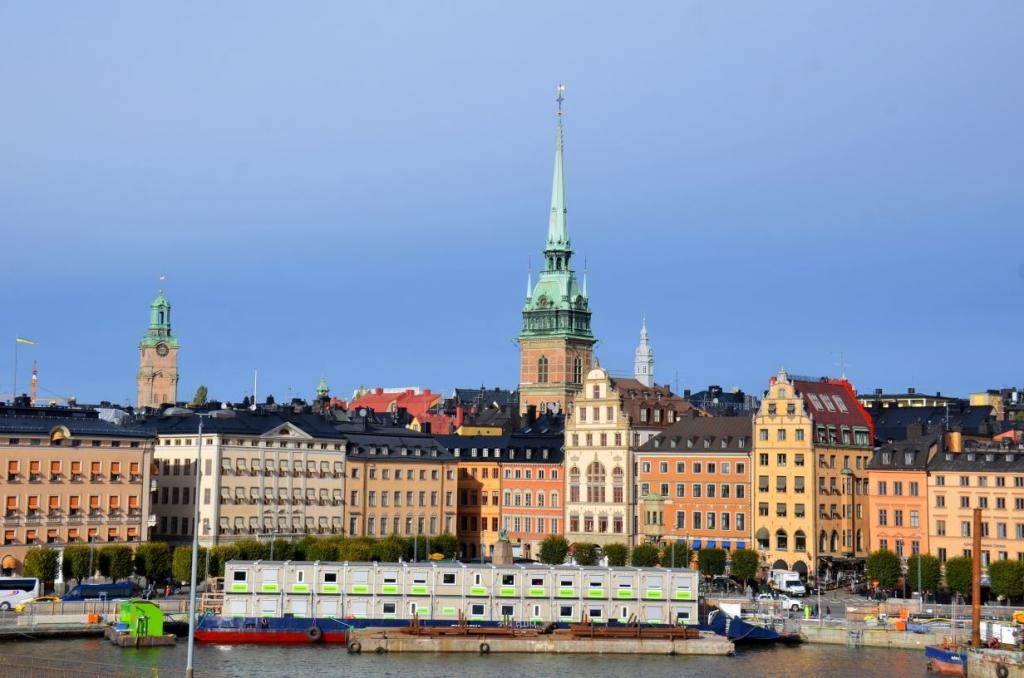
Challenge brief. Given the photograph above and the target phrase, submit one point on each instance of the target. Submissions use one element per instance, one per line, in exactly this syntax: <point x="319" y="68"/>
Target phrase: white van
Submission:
<point x="14" y="590"/>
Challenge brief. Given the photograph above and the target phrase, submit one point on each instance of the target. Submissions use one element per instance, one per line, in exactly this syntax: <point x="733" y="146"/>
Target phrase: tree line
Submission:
<point x="1006" y="577"/>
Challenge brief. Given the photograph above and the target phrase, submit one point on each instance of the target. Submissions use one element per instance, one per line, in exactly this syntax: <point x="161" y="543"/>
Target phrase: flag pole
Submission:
<point x="14" y="389"/>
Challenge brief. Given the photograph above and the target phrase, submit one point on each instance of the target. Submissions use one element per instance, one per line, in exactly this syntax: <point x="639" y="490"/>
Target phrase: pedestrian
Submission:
<point x="828" y="611"/>
<point x="167" y="591"/>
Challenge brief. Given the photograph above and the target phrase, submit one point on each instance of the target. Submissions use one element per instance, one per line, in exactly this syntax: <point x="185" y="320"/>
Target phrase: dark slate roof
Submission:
<point x="995" y="459"/>
<point x="549" y="424"/>
<point x="78" y="426"/>
<point x="507" y="447"/>
<point x="899" y="423"/>
<point x="241" y="422"/>
<point x="893" y="456"/>
<point x="733" y="430"/>
<point x="723" y="403"/>
<point x="484" y="397"/>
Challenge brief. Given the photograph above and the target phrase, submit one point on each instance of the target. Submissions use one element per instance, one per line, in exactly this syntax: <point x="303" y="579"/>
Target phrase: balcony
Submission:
<point x="135" y="478"/>
<point x="134" y="513"/>
<point x="13" y="477"/>
<point x="54" y="477"/>
<point x="95" y="478"/>
<point x="35" y="478"/>
<point x="115" y="477"/>
<point x="76" y="477"/>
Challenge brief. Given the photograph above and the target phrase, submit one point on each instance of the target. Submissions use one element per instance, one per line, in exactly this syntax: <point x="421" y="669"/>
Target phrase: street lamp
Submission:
<point x="195" y="554"/>
<point x="920" y="591"/>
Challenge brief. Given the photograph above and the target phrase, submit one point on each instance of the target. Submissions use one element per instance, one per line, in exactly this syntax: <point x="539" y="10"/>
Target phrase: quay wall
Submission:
<point x="868" y="637"/>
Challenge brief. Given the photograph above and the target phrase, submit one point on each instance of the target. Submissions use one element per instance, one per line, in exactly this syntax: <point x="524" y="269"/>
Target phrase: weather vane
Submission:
<point x="560" y="99"/>
<point x="162" y="279"/>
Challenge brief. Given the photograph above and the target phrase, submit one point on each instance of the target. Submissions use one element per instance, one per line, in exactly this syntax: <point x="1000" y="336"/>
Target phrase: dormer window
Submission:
<point x="949" y="456"/>
<point x="689" y="442"/>
<point x="886" y="457"/>
<point x="707" y="443"/>
<point x="725" y="443"/>
<point x="970" y="456"/>
<point x="990" y="457"/>
<point x="657" y="443"/>
<point x="908" y="458"/>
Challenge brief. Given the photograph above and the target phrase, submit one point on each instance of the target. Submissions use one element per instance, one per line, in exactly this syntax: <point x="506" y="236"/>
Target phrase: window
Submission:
<point x="781" y="434"/>
<point x="799" y="434"/>
<point x="542" y="370"/>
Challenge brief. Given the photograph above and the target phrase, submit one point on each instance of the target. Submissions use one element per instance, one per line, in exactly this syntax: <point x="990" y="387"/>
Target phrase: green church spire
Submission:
<point x="558" y="228"/>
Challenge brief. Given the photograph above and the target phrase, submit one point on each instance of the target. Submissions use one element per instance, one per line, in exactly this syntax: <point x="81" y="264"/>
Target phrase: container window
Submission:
<point x="389" y="608"/>
<point x="537" y="581"/>
<point x="448" y="578"/>
<point x="508" y="610"/>
<point x="238" y="575"/>
<point x="330" y="577"/>
<point x="390" y="576"/>
<point x="565" y="610"/>
<point x="596" y="582"/>
<point x="508" y="580"/>
<point x="476" y="610"/>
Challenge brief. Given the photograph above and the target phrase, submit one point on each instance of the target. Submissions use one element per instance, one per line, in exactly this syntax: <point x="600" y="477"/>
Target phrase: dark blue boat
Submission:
<point x="948" y="660"/>
<point x="740" y="631"/>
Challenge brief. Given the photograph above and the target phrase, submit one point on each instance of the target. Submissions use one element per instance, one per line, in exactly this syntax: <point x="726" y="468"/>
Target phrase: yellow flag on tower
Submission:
<point x="22" y="340"/>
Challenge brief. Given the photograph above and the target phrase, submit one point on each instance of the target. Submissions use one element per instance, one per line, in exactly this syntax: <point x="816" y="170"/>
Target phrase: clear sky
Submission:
<point x="355" y="189"/>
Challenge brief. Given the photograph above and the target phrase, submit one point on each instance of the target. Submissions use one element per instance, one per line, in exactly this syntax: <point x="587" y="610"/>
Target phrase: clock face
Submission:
<point x="161" y="349"/>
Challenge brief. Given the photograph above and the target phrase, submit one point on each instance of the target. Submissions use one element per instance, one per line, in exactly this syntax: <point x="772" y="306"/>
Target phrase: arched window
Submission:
<point x="799" y="541"/>
<point x="577" y="370"/>
<point x="781" y="540"/>
<point x="540" y="497"/>
<point x="618" y="485"/>
<point x="161" y="321"/>
<point x="860" y="540"/>
<point x="822" y="540"/>
<point x="574" y="484"/>
<point x="554" y="498"/>
<point x="834" y="542"/>
<point x="542" y="370"/>
<point x="762" y="539"/>
<point x="595" y="482"/>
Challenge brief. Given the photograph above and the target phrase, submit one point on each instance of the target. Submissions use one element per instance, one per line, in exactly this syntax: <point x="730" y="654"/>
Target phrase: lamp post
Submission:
<point x="195" y="555"/>
<point x="920" y="591"/>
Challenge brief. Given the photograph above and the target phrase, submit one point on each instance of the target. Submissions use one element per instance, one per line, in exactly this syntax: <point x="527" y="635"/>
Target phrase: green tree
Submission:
<point x="76" y="562"/>
<point x="1006" y="578"/>
<point x="678" y="553"/>
<point x="282" y="549"/>
<point x="117" y="561"/>
<point x="645" y="555"/>
<point x="222" y="553"/>
<point x="585" y="554"/>
<point x="43" y="563"/>
<point x="883" y="566"/>
<point x="711" y="562"/>
<point x="324" y="550"/>
<point x="617" y="554"/>
<point x="199" y="399"/>
<point x="554" y="549"/>
<point x="744" y="565"/>
<point x="931" y="572"/>
<point x="153" y="561"/>
<point x="445" y="544"/>
<point x="251" y="549"/>
<point x="181" y="564"/>
<point x="958" y="574"/>
<point x="390" y="549"/>
<point x="356" y="551"/>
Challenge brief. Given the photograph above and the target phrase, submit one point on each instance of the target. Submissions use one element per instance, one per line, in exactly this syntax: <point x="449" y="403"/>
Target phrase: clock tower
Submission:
<point x="158" y="358"/>
<point x="556" y="344"/>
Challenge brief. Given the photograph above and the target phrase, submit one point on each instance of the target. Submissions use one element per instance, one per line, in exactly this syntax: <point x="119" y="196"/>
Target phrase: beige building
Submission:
<point x="598" y="469"/>
<point x="265" y="475"/>
<point x="399" y="482"/>
<point x="70" y="478"/>
<point x="812" y="443"/>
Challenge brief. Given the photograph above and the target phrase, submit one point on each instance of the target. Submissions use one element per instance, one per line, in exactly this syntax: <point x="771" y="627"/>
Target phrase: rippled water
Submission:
<point x="807" y="661"/>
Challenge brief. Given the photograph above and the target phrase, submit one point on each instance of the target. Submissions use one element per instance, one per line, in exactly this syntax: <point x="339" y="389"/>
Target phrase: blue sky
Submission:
<point x="355" y="190"/>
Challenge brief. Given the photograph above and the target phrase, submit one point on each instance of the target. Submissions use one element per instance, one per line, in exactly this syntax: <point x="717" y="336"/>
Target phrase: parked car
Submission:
<point x="20" y="607"/>
<point x="119" y="590"/>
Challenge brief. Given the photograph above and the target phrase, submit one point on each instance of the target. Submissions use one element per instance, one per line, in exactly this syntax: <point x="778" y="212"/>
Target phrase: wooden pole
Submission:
<point x="976" y="581"/>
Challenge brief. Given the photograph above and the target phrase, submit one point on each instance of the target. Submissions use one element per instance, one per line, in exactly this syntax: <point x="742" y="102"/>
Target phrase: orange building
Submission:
<point x="533" y="491"/>
<point x="898" y="495"/>
<point x="478" y="495"/>
<point x="694" y="483"/>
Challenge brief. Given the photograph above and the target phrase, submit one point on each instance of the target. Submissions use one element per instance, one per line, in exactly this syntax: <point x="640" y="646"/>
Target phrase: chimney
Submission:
<point x="878" y="391"/>
<point x="425" y="427"/>
<point x="686" y="393"/>
<point x="460" y="415"/>
<point x="531" y="414"/>
<point x="911" y="390"/>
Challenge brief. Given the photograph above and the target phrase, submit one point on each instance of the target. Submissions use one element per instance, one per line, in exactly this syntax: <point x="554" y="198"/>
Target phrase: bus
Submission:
<point x="14" y="590"/>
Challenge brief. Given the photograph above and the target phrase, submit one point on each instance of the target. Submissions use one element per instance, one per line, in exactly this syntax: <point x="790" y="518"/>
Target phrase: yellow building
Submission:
<point x="479" y="499"/>
<point x="812" y="443"/>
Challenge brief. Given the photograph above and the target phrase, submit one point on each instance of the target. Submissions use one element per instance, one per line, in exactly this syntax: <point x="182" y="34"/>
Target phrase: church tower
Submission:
<point x="158" y="358"/>
<point x="556" y="344"/>
<point x="643" y="359"/>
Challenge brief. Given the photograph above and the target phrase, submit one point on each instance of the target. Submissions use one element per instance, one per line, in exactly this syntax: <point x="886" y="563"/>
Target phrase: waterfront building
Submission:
<point x="479" y="494"/>
<point x="398" y="481"/>
<point x="70" y="478"/>
<point x="812" y="442"/>
<point x="898" y="494"/>
<point x="158" y="358"/>
<point x="264" y="474"/>
<point x="694" y="482"/>
<point x="989" y="477"/>
<point x="556" y="342"/>
<point x="598" y="469"/>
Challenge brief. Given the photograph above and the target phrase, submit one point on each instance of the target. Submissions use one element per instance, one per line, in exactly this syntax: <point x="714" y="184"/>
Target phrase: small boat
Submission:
<point x="740" y="631"/>
<point x="271" y="630"/>
<point x="946" y="659"/>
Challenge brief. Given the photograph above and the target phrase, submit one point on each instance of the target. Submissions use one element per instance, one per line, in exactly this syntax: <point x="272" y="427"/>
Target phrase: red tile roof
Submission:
<point x="379" y="400"/>
<point x="834" y="401"/>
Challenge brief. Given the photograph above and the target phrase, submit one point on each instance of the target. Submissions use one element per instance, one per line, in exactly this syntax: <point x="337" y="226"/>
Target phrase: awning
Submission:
<point x="726" y="545"/>
<point x="711" y="543"/>
<point x="695" y="544"/>
<point x="741" y="544"/>
<point x="8" y="563"/>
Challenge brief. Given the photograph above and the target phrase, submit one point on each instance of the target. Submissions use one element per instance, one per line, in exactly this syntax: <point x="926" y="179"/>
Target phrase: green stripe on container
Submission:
<point x="448" y="610"/>
<point x="656" y="595"/>
<point x="300" y="588"/>
<point x="419" y="590"/>
<point x="422" y="610"/>
<point x="683" y="595"/>
<point x="239" y="588"/>
<point x="477" y="591"/>
<point x="507" y="591"/>
<point x="360" y="588"/>
<point x="595" y="593"/>
<point x="389" y="588"/>
<point x="566" y="593"/>
<point x="625" y="593"/>
<point x="270" y="588"/>
<point x="330" y="588"/>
